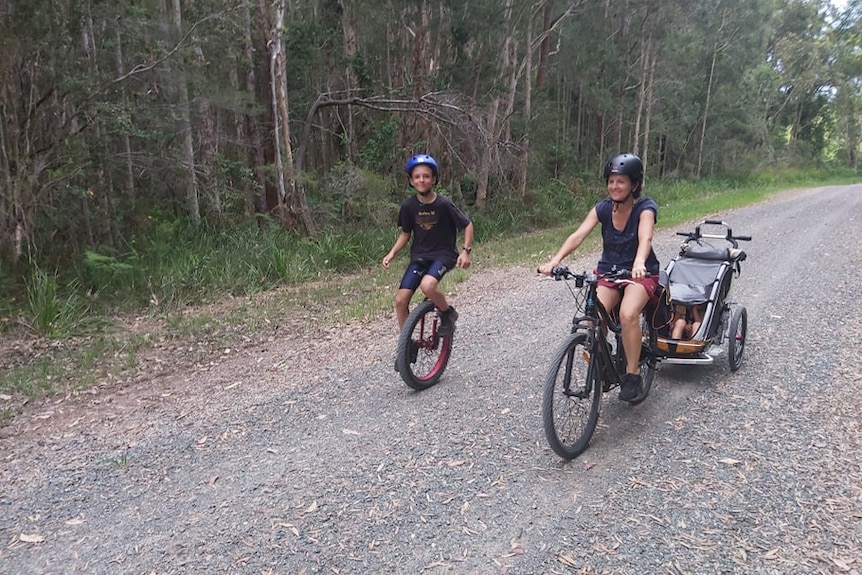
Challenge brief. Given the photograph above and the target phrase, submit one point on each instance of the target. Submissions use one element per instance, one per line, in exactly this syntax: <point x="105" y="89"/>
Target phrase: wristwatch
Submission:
<point x="468" y="249"/>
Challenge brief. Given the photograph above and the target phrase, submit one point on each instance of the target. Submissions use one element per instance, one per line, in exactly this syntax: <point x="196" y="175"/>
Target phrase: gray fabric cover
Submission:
<point x="691" y="279"/>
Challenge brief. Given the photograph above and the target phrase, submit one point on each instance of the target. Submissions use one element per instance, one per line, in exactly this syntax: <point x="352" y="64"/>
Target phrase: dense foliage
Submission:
<point x="133" y="130"/>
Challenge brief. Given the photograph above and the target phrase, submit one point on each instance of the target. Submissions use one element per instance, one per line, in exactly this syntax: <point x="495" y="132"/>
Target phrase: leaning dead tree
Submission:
<point x="441" y="109"/>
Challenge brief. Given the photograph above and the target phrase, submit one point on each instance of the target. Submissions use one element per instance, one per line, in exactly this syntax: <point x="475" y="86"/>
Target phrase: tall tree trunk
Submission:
<point x="420" y="49"/>
<point x="103" y="193"/>
<point x="490" y="142"/>
<point x="351" y="48"/>
<point x="129" y="171"/>
<point x="641" y="101"/>
<point x="650" y="97"/>
<point x="421" y="70"/>
<point x="291" y="195"/>
<point x="394" y="78"/>
<point x="16" y="146"/>
<point x="257" y="197"/>
<point x="510" y="50"/>
<point x="491" y="136"/>
<point x="706" y="112"/>
<point x="208" y="151"/>
<point x="207" y="145"/>
<point x="187" y="136"/>
<point x="524" y="157"/>
<point x="545" y="48"/>
<point x="262" y="32"/>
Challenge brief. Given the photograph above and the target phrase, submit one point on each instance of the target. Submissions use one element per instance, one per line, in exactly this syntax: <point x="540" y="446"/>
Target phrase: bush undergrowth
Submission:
<point x="173" y="264"/>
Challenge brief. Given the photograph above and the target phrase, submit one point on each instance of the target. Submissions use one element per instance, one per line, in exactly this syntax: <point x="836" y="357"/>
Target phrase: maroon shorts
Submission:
<point x="650" y="285"/>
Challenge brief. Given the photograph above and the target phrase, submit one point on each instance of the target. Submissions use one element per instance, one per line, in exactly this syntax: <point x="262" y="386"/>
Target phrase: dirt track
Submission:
<point x="308" y="455"/>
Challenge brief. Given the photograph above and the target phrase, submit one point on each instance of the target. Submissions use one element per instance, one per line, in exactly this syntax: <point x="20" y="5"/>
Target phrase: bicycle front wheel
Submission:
<point x="422" y="353"/>
<point x="571" y="397"/>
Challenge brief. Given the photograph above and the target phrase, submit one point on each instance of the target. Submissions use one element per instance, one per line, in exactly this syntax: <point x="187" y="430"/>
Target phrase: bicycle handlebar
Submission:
<point x="563" y="272"/>
<point x="728" y="236"/>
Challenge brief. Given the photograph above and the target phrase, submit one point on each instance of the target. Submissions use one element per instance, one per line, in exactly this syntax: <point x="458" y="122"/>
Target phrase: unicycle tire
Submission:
<point x="422" y="353"/>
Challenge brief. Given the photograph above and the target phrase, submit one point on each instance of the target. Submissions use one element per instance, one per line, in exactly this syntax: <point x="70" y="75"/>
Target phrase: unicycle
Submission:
<point x="422" y="353"/>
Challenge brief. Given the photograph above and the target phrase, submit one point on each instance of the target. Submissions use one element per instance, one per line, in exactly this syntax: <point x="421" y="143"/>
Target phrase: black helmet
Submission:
<point x="629" y="165"/>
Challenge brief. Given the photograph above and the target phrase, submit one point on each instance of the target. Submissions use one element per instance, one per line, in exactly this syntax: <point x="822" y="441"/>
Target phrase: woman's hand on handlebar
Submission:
<point x="546" y="269"/>
<point x="639" y="270"/>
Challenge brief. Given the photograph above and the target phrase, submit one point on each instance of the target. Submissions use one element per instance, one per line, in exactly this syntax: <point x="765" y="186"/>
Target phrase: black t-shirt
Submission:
<point x="621" y="247"/>
<point x="434" y="228"/>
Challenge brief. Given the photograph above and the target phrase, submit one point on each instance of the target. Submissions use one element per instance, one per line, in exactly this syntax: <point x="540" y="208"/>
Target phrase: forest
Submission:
<point x="132" y="130"/>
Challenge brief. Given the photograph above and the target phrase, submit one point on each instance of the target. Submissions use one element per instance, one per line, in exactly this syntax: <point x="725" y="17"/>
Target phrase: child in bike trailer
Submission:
<point x="686" y="320"/>
<point x="628" y="221"/>
<point x="433" y="222"/>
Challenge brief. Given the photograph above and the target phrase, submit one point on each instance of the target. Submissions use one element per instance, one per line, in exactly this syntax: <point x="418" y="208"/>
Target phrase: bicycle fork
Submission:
<point x="597" y="358"/>
<point x="429" y="339"/>
<point x="580" y="390"/>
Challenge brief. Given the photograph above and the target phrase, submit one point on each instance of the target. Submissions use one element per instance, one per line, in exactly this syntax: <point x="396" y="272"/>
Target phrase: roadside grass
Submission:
<point x="231" y="285"/>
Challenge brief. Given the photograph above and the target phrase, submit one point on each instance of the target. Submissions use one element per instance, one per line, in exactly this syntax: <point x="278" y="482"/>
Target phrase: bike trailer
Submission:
<point x="701" y="274"/>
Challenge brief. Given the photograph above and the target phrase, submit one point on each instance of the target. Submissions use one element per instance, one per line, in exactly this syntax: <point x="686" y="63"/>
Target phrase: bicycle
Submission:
<point x="423" y="353"/>
<point x="589" y="363"/>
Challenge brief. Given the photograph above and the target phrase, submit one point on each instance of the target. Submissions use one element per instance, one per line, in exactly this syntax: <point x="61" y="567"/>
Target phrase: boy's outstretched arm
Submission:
<point x="400" y="242"/>
<point x="464" y="255"/>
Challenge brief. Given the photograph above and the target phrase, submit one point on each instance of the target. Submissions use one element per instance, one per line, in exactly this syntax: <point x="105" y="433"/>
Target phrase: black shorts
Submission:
<point x="416" y="270"/>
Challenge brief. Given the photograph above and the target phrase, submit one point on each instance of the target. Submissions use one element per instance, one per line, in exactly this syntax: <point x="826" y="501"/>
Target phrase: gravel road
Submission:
<point x="309" y="455"/>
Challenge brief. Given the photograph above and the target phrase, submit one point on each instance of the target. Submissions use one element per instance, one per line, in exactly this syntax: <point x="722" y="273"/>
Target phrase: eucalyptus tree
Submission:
<point x="79" y="78"/>
<point x="734" y="40"/>
<point x="118" y="114"/>
<point x="846" y="42"/>
<point x="799" y="51"/>
<point x="55" y="85"/>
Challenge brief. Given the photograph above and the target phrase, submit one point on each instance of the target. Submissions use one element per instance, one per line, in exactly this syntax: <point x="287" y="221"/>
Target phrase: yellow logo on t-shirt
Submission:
<point x="426" y="219"/>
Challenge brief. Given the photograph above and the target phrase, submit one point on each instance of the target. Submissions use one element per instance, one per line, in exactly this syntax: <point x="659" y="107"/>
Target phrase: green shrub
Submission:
<point x="51" y="313"/>
<point x="112" y="273"/>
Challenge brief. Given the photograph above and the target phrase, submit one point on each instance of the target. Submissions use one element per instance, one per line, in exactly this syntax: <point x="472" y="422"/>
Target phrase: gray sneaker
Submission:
<point x="447" y="322"/>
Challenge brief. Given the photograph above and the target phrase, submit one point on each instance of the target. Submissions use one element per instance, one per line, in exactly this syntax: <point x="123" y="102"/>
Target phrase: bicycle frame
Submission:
<point x="596" y="322"/>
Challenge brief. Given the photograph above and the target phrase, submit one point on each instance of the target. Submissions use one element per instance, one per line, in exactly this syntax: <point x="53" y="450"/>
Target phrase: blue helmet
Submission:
<point x="419" y="160"/>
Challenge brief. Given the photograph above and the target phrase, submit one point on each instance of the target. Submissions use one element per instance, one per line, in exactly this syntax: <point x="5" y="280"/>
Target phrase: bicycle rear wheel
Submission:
<point x="571" y="397"/>
<point x="422" y="354"/>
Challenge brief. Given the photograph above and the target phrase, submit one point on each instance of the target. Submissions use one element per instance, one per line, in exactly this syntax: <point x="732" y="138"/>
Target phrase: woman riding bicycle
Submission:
<point x="628" y="222"/>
